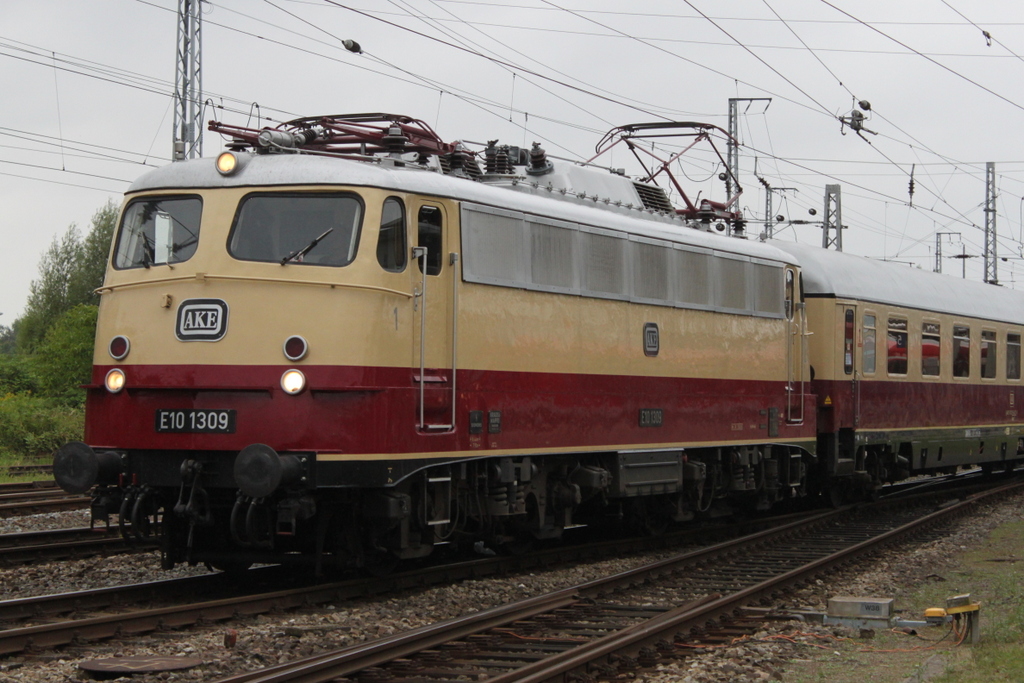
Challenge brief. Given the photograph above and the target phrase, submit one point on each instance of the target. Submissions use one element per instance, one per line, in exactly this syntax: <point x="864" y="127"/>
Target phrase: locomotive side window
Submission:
<point x="930" y="349"/>
<point x="961" y="351"/>
<point x="391" y="250"/>
<point x="789" y="294"/>
<point x="1012" y="356"/>
<point x="158" y="230"/>
<point x="430" y="223"/>
<point x="868" y="354"/>
<point x="898" y="346"/>
<point x="297" y="229"/>
<point x="988" y="354"/>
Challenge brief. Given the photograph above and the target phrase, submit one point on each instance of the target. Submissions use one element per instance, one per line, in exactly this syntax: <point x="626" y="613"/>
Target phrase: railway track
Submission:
<point x="18" y="470"/>
<point x="125" y="624"/>
<point x="617" y="625"/>
<point x="256" y="598"/>
<point x="31" y="500"/>
<point x="63" y="544"/>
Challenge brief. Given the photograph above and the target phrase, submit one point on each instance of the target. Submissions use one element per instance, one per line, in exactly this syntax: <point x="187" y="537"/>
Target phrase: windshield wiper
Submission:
<point x="306" y="249"/>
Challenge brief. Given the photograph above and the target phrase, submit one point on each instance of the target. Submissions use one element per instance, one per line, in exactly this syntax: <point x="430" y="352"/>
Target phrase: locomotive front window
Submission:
<point x="297" y="229"/>
<point x="158" y="230"/>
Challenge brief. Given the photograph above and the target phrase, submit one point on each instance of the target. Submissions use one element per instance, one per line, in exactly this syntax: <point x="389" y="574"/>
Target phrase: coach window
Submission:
<point x="1012" y="356"/>
<point x="391" y="251"/>
<point x="930" y="349"/>
<point x="988" y="354"/>
<point x="898" y="346"/>
<point x="868" y="354"/>
<point x="430" y="223"/>
<point x="961" y="351"/>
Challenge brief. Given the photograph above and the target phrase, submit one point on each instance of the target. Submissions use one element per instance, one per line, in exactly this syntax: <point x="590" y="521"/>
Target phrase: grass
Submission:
<point x="993" y="573"/>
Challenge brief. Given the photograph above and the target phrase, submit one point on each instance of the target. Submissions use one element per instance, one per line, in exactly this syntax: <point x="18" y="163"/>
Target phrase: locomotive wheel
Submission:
<point x="643" y="518"/>
<point x="379" y="563"/>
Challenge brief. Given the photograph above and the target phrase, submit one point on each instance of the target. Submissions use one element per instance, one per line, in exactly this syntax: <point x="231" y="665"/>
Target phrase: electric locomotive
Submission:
<point x="345" y="341"/>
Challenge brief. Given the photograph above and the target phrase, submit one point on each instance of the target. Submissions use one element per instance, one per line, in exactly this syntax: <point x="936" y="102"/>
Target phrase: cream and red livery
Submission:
<point x="344" y="341"/>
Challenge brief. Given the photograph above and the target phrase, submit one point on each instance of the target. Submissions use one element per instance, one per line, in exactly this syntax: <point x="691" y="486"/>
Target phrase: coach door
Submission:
<point x="850" y="416"/>
<point x="434" y="306"/>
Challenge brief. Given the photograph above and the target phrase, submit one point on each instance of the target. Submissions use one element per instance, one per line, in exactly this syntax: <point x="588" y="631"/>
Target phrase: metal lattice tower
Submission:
<point x="188" y="83"/>
<point x="938" y="248"/>
<point x="769" y="212"/>
<point x="833" y="219"/>
<point x="991" y="258"/>
<point x="732" y="153"/>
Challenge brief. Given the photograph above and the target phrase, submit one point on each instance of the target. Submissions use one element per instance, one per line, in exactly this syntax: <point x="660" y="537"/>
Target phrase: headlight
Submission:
<point x="293" y="381"/>
<point x="228" y="163"/>
<point x="119" y="347"/>
<point x="114" y="381"/>
<point x="295" y="348"/>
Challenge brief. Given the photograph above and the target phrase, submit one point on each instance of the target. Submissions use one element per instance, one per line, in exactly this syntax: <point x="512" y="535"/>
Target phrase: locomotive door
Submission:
<point x="796" y="352"/>
<point x="434" y="284"/>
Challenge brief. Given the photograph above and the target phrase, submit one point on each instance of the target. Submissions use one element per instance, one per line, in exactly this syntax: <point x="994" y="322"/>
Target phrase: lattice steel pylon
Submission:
<point x="188" y="83"/>
<point x="991" y="257"/>
<point x="832" y="219"/>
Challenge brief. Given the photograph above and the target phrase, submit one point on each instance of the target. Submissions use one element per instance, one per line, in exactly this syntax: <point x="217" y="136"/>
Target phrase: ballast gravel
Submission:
<point x="271" y="639"/>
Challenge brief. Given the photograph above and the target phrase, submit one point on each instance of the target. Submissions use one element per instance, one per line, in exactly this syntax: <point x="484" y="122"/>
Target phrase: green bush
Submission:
<point x="63" y="361"/>
<point x="16" y="376"/>
<point x="31" y="426"/>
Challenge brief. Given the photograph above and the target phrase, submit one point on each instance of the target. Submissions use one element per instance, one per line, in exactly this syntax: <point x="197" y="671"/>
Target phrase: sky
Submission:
<point x="88" y="87"/>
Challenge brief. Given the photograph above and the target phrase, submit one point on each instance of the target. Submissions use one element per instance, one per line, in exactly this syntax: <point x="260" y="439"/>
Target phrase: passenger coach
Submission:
<point x="914" y="372"/>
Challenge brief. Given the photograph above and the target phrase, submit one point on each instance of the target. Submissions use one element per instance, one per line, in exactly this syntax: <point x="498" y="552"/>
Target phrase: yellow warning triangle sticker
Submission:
<point x="828" y="400"/>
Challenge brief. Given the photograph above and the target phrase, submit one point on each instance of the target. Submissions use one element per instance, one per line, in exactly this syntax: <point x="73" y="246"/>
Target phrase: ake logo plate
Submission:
<point x="201" y="320"/>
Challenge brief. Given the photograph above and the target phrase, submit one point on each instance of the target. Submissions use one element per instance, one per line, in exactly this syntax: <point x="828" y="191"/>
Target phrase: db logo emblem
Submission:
<point x="652" y="344"/>
<point x="201" y="320"/>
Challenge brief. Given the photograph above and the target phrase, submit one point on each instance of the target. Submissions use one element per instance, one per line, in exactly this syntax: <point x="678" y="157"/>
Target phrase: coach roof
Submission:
<point x="841" y="275"/>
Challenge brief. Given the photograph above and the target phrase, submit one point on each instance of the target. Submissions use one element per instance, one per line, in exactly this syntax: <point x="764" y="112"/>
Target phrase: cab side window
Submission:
<point x="430" y="223"/>
<point x="391" y="250"/>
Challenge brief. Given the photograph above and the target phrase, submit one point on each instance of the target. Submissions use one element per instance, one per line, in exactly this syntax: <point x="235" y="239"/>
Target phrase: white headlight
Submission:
<point x="114" y="381"/>
<point x="293" y="381"/>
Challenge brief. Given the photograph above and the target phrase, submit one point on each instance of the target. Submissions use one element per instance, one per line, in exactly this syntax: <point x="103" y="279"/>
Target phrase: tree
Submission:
<point x="69" y="272"/>
<point x="63" y="360"/>
<point x="8" y="339"/>
<point x="95" y="252"/>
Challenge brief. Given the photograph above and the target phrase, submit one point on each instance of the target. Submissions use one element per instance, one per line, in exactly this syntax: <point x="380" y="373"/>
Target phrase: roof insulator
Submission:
<point x="539" y="163"/>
